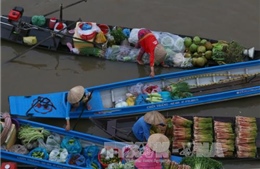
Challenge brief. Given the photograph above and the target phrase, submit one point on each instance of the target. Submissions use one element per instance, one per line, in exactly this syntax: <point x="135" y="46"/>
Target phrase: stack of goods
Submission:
<point x="246" y="133"/>
<point x="203" y="135"/>
<point x="181" y="132"/>
<point x="168" y="164"/>
<point x="224" y="138"/>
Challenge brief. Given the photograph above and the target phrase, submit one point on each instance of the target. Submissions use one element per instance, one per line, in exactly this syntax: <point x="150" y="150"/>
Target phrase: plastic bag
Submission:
<point x="52" y="142"/>
<point x="150" y="88"/>
<point x="40" y="153"/>
<point x="133" y="36"/>
<point x="76" y="159"/>
<point x="91" y="151"/>
<point x="136" y="89"/>
<point x="19" y="149"/>
<point x="72" y="144"/>
<point x="58" y="155"/>
<point x="174" y="42"/>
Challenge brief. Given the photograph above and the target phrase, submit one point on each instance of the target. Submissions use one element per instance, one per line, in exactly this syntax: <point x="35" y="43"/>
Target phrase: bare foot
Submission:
<point x="140" y="62"/>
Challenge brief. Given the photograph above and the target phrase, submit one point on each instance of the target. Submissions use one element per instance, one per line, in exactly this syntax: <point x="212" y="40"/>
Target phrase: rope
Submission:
<point x="235" y="77"/>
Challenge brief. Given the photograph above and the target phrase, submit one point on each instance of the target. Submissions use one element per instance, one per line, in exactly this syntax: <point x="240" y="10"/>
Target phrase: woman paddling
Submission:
<point x="76" y="96"/>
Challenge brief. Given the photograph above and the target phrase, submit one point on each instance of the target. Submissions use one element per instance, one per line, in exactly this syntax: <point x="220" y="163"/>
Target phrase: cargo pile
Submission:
<point x="246" y="133"/>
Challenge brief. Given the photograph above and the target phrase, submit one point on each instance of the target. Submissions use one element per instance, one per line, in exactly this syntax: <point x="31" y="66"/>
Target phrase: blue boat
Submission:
<point x="207" y="85"/>
<point x="86" y="140"/>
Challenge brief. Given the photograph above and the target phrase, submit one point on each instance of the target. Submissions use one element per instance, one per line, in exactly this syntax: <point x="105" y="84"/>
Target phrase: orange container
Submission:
<point x="9" y="165"/>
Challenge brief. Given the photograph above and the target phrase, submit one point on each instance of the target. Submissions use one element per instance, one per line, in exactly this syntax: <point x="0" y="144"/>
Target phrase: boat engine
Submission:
<point x="15" y="14"/>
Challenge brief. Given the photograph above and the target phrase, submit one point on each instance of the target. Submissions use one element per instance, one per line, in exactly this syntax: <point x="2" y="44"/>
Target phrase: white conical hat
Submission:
<point x="154" y="117"/>
<point x="158" y="142"/>
<point x="75" y="94"/>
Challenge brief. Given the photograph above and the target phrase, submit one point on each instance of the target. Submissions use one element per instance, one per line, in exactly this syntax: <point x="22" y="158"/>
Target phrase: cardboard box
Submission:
<point x="78" y="43"/>
<point x="11" y="137"/>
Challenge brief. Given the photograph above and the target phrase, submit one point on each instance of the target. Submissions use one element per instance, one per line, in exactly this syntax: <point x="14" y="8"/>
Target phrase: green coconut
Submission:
<point x="187" y="55"/>
<point x="196" y="40"/>
<point x="203" y="41"/>
<point x="208" y="54"/>
<point x="195" y="55"/>
<point x="187" y="42"/>
<point x="200" y="62"/>
<point x="193" y="48"/>
<point x="208" y="45"/>
<point x="201" y="49"/>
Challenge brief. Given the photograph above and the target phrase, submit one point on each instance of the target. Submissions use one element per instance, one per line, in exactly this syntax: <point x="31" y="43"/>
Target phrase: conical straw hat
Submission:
<point x="159" y="53"/>
<point x="158" y="142"/>
<point x="75" y="94"/>
<point x="154" y="117"/>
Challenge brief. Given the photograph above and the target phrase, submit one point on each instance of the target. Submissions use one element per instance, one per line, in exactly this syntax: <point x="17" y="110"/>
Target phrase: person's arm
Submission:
<point x="68" y="109"/>
<point x="67" y="124"/>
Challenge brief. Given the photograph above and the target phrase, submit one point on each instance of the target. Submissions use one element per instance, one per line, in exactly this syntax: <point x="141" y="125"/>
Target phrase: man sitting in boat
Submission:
<point x="141" y="128"/>
<point x="149" y="44"/>
<point x="76" y="96"/>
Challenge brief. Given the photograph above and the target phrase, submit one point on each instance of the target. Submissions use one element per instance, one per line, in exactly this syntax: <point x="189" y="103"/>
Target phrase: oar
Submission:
<point x="65" y="7"/>
<point x="53" y="34"/>
<point x="89" y="97"/>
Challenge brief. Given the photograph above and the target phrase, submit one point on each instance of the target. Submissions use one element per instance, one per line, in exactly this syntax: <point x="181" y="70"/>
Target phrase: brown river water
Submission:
<point x="42" y="72"/>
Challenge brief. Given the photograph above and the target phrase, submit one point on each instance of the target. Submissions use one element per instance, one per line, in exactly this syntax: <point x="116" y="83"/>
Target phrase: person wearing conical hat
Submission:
<point x="157" y="147"/>
<point x="149" y="44"/>
<point x="75" y="97"/>
<point x="141" y="128"/>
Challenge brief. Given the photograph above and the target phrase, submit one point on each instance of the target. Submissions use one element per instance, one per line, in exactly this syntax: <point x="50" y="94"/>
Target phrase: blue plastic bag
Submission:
<point x="91" y="152"/>
<point x="72" y="144"/>
<point x="76" y="159"/>
<point x="40" y="153"/>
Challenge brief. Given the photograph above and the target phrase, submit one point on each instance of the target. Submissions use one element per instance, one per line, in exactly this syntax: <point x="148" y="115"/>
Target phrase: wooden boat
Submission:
<point x="120" y="128"/>
<point x="207" y="85"/>
<point x="18" y="27"/>
<point x="86" y="140"/>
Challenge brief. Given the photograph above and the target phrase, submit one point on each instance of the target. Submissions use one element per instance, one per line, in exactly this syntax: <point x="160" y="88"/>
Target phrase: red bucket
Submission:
<point x="104" y="28"/>
<point x="89" y="34"/>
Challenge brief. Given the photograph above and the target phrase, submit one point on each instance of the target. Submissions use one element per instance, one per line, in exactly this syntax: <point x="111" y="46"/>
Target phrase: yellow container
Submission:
<point x="30" y="40"/>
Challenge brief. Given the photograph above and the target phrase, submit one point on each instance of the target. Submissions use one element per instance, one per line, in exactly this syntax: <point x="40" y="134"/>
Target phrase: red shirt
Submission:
<point x="148" y="44"/>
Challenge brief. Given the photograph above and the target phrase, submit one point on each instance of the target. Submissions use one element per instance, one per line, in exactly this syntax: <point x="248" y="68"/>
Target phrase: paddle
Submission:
<point x="52" y="36"/>
<point x="83" y="108"/>
<point x="65" y="7"/>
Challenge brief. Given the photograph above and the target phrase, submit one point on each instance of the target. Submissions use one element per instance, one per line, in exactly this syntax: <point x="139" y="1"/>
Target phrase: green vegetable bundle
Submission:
<point x="28" y="134"/>
<point x="180" y="90"/>
<point x="201" y="163"/>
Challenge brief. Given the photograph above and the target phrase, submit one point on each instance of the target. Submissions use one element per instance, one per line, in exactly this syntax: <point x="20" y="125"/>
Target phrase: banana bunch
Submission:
<point x="154" y="97"/>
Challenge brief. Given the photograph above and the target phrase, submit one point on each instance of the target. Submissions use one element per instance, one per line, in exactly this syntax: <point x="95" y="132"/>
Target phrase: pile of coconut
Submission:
<point x="199" y="49"/>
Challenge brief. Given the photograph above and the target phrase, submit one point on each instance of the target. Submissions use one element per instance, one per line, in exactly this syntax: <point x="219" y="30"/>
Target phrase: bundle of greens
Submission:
<point x="203" y="135"/>
<point x="246" y="133"/>
<point x="180" y="90"/>
<point x="181" y="132"/>
<point x="28" y="135"/>
<point x="224" y="52"/>
<point x="201" y="163"/>
<point x="118" y="35"/>
<point x="225" y="139"/>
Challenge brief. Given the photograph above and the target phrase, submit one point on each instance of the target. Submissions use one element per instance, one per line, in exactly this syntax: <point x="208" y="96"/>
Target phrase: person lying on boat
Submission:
<point x="149" y="44"/>
<point x="76" y="96"/>
<point x="141" y="128"/>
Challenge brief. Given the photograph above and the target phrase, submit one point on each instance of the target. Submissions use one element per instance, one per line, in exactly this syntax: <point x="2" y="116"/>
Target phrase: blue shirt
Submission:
<point x="141" y="129"/>
<point x="68" y="107"/>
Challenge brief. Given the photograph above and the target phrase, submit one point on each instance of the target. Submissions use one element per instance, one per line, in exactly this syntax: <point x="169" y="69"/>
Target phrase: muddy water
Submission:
<point x="42" y="72"/>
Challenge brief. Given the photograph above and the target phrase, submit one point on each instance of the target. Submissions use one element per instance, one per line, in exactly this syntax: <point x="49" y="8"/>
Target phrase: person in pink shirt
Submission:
<point x="149" y="44"/>
<point x="157" y="148"/>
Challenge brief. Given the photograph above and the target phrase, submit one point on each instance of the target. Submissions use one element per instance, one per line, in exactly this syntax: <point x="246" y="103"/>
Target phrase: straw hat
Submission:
<point x="159" y="53"/>
<point x="158" y="142"/>
<point x="154" y="117"/>
<point x="75" y="94"/>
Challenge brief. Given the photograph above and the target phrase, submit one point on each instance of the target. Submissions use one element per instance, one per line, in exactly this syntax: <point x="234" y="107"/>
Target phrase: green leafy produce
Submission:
<point x="90" y="51"/>
<point x="202" y="163"/>
<point x="28" y="134"/>
<point x="118" y="35"/>
<point x="180" y="90"/>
